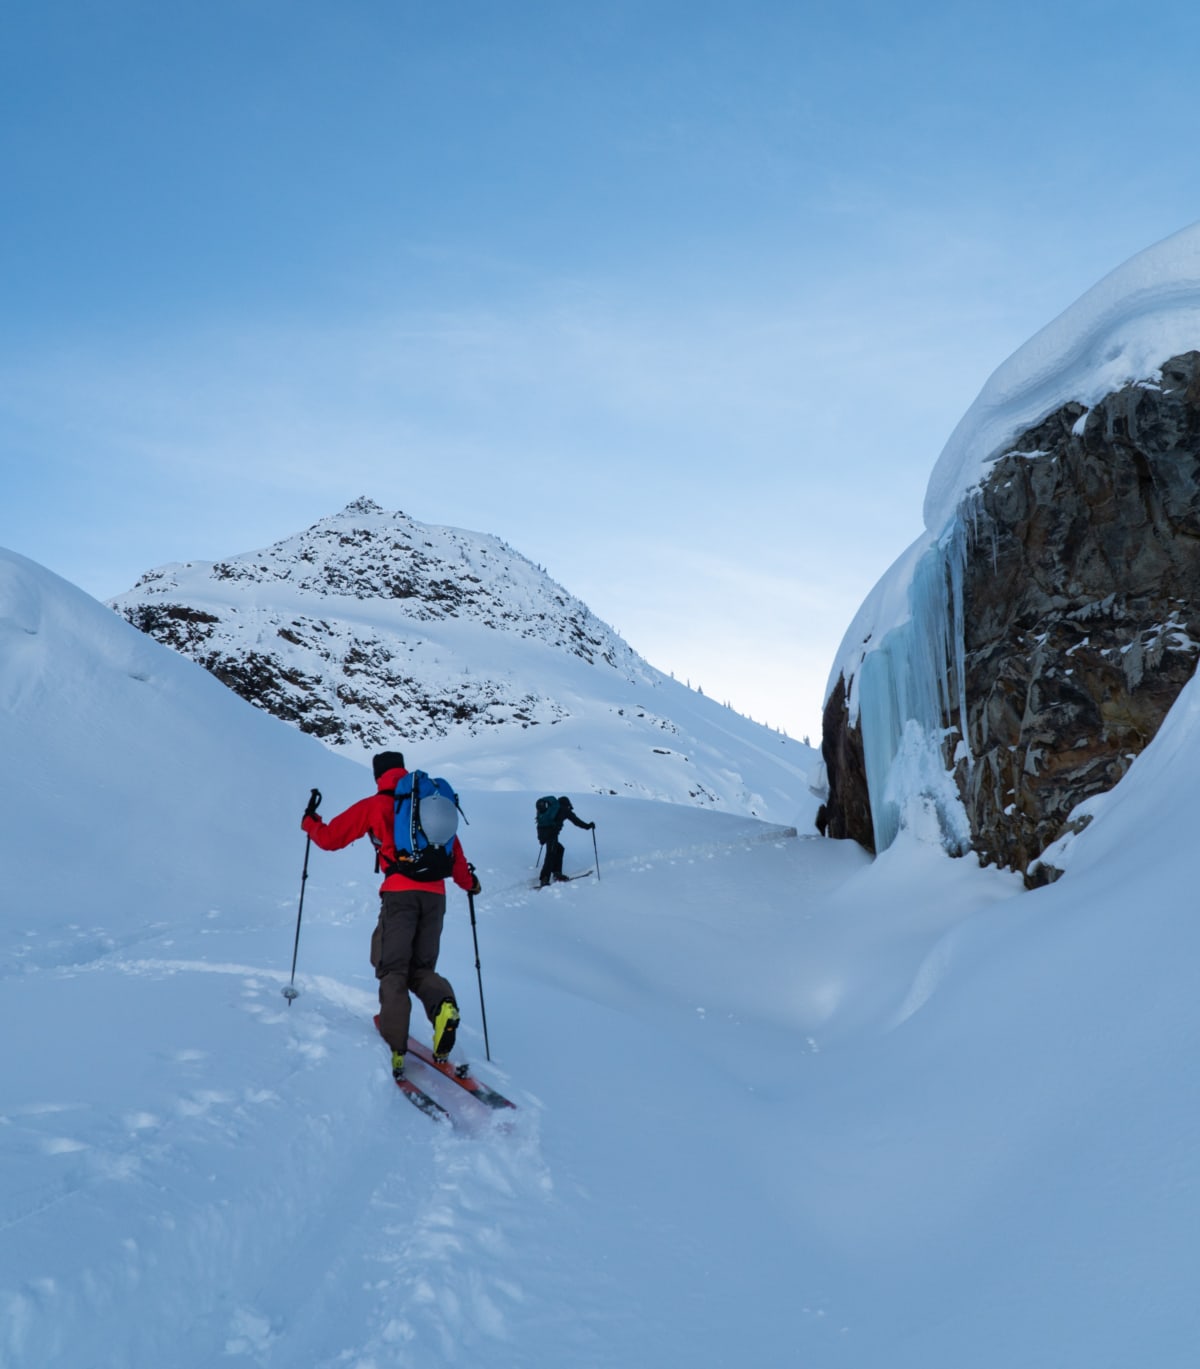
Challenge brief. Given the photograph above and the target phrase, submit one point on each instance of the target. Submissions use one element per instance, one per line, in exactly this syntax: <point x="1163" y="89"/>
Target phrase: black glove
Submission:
<point x="314" y="800"/>
<point x="591" y="826"/>
<point x="476" y="887"/>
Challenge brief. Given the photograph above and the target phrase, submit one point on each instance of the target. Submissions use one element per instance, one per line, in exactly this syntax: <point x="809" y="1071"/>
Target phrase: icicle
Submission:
<point x="909" y="686"/>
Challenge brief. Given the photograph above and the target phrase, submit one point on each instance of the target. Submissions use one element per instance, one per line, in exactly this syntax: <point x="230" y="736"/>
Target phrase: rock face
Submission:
<point x="1081" y="617"/>
<point x="848" y="807"/>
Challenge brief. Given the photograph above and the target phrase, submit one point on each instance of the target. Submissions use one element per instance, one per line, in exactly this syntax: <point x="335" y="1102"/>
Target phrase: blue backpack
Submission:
<point x="424" y="829"/>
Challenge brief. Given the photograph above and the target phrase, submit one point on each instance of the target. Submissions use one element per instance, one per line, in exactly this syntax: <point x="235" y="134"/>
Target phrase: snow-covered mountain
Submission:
<point x="776" y="1102"/>
<point x="372" y="630"/>
<point x="1030" y="643"/>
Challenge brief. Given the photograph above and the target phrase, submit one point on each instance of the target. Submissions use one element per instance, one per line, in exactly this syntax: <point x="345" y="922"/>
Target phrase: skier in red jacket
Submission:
<point x="407" y="938"/>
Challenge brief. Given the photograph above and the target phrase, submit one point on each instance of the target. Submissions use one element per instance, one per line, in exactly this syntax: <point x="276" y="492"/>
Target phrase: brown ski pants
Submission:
<point x="404" y="952"/>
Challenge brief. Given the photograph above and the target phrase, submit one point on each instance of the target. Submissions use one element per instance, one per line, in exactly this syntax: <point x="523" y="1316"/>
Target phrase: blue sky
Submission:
<point x="680" y="299"/>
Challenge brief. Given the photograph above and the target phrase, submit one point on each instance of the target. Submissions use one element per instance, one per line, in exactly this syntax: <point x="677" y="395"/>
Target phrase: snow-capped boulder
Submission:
<point x="1037" y="639"/>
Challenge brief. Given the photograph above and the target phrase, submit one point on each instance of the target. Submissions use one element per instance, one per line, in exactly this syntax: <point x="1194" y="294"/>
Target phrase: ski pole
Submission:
<point x="538" y="861"/>
<point x="291" y="991"/>
<point x="596" y="853"/>
<point x="478" y="971"/>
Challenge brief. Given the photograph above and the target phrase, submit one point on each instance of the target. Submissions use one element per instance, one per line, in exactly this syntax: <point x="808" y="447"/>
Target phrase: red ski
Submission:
<point x="460" y="1075"/>
<point x="418" y="1097"/>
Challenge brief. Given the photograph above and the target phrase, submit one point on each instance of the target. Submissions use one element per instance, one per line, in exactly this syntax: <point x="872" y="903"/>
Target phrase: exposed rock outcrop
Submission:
<point x="1081" y="617"/>
<point x="848" y="807"/>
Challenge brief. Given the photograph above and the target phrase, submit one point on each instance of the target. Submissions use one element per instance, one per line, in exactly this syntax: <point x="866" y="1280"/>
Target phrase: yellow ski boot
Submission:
<point x="445" y="1028"/>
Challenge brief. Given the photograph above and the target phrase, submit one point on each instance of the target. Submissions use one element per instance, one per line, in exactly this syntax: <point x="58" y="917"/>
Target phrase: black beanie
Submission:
<point x="387" y="760"/>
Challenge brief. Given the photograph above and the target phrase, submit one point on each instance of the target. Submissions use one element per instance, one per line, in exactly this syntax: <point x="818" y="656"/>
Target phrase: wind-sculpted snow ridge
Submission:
<point x="1121" y="330"/>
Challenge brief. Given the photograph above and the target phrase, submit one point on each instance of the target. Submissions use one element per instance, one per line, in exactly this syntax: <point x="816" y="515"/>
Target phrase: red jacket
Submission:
<point x="376" y="816"/>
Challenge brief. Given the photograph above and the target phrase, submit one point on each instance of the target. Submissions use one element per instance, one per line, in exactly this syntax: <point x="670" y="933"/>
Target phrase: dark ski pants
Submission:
<point x="555" y="851"/>
<point x="404" y="952"/>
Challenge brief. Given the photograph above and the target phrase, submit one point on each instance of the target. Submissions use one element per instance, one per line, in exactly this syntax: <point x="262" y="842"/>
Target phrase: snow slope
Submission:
<point x="777" y="1103"/>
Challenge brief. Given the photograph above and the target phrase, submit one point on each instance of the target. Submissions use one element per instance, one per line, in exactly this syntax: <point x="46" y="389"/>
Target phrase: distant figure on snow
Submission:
<point x="551" y="814"/>
<point x="408" y="935"/>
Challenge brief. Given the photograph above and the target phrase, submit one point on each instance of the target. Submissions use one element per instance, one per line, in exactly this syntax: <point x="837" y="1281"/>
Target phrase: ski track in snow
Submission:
<point x="420" y="1236"/>
<point x="421" y="1250"/>
<point x="418" y="1254"/>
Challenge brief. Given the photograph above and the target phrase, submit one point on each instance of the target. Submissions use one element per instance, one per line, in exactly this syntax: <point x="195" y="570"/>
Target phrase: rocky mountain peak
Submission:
<point x="371" y="630"/>
<point x="371" y="623"/>
<point x="420" y="572"/>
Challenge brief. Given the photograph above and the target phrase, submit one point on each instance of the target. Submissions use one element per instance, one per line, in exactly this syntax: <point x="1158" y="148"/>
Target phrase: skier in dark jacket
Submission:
<point x="408" y="935"/>
<point x="549" y="825"/>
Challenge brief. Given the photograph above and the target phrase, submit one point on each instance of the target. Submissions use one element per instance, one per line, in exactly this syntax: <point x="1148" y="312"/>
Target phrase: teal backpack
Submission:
<point x="548" y="813"/>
